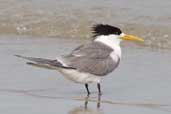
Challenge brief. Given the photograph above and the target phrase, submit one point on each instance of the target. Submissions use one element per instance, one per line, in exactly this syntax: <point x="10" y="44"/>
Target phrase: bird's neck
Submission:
<point x="112" y="41"/>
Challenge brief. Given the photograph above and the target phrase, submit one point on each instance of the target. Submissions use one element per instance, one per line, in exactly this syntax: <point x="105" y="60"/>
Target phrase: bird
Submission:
<point x="90" y="62"/>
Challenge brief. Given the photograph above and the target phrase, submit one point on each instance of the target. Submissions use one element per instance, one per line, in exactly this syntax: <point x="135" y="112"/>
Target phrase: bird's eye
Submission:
<point x="117" y="33"/>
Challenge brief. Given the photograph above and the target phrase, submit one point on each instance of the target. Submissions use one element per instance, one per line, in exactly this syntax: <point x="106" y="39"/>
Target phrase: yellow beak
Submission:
<point x="131" y="38"/>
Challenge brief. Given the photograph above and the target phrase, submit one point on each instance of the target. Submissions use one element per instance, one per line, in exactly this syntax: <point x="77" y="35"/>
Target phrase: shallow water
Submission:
<point x="140" y="85"/>
<point x="150" y="19"/>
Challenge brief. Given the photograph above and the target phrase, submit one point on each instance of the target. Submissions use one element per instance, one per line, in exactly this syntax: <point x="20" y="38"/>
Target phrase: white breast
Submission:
<point x="80" y="77"/>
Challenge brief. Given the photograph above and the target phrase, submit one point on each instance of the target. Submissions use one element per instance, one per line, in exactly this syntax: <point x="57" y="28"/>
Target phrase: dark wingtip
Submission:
<point x="18" y="55"/>
<point x="29" y="63"/>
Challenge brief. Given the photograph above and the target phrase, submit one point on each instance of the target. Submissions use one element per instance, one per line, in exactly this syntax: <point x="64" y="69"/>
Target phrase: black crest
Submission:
<point x="102" y="29"/>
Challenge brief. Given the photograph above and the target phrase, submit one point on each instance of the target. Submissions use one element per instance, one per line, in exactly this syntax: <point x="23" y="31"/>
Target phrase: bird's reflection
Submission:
<point x="86" y="109"/>
<point x="87" y="99"/>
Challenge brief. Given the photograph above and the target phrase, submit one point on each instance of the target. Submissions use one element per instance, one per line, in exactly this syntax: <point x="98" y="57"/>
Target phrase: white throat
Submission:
<point x="112" y="41"/>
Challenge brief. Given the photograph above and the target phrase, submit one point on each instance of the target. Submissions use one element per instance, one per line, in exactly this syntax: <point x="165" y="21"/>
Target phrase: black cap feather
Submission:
<point x="104" y="29"/>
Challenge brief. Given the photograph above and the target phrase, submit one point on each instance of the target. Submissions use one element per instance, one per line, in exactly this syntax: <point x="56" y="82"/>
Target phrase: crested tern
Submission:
<point x="90" y="62"/>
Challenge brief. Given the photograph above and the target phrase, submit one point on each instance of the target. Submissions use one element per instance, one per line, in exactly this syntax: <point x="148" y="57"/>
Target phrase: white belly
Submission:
<point x="80" y="77"/>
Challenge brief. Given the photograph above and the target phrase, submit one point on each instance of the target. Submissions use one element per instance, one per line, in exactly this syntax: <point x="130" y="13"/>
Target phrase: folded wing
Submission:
<point x="93" y="58"/>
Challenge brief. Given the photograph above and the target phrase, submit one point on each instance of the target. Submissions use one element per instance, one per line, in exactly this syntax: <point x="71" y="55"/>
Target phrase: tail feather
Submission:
<point x="37" y="60"/>
<point x="44" y="63"/>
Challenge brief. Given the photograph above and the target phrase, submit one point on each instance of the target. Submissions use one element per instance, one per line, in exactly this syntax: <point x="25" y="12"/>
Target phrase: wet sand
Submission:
<point x="141" y="84"/>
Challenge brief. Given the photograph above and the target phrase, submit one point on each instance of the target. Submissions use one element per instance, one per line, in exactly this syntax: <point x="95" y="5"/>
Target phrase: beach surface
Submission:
<point x="140" y="85"/>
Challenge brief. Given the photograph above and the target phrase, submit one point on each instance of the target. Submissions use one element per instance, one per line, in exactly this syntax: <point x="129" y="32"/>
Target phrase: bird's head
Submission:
<point x="111" y="32"/>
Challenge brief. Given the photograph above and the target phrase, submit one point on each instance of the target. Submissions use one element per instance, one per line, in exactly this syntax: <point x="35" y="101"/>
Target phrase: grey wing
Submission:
<point x="92" y="50"/>
<point x="93" y="58"/>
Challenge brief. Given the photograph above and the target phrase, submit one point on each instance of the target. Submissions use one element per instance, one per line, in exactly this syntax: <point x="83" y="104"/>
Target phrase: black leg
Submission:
<point x="88" y="92"/>
<point x="99" y="90"/>
<point x="98" y="101"/>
